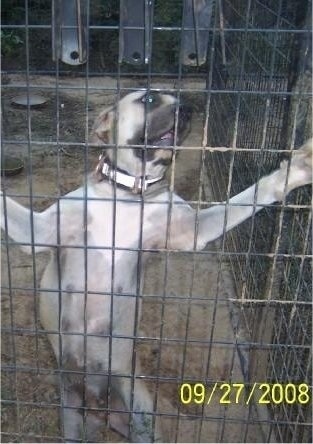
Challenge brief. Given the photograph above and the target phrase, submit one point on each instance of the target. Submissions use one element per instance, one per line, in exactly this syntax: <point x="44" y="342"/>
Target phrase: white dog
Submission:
<point x="95" y="234"/>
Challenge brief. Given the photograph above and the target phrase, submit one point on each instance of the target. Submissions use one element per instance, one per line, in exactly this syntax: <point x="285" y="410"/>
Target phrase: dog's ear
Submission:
<point x="103" y="126"/>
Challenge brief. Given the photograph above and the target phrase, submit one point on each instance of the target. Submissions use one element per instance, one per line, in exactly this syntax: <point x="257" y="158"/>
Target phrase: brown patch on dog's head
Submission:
<point x="102" y="128"/>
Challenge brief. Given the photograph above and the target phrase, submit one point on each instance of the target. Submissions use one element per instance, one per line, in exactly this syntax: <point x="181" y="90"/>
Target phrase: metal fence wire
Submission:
<point x="232" y="320"/>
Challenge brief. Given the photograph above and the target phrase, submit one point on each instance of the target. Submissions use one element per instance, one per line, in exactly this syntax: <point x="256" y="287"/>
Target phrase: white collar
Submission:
<point x="135" y="183"/>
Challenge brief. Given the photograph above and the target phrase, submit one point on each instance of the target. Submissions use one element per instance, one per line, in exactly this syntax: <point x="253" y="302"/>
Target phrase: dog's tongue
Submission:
<point x="166" y="140"/>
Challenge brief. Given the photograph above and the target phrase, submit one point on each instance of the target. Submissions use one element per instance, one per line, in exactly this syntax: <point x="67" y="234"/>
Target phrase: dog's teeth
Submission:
<point x="166" y="136"/>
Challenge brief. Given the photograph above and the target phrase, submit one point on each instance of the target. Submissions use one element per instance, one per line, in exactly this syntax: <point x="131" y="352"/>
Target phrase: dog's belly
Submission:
<point x="86" y="304"/>
<point x="96" y="269"/>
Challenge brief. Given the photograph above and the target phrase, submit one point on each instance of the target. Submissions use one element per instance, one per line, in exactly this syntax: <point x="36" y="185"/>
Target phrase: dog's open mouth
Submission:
<point x="167" y="139"/>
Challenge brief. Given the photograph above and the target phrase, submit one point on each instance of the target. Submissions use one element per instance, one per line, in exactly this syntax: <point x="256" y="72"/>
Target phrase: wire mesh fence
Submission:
<point x="238" y="312"/>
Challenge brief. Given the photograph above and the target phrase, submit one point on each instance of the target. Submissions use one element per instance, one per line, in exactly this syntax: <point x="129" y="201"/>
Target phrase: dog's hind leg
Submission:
<point x="72" y="416"/>
<point x="139" y="425"/>
<point x="80" y="422"/>
<point x="133" y="420"/>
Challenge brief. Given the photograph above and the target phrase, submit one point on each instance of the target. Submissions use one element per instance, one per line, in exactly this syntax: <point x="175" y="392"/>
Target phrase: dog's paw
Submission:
<point x="300" y="172"/>
<point x="302" y="158"/>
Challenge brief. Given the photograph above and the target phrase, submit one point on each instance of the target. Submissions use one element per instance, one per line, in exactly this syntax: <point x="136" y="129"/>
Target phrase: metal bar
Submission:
<point x="136" y="25"/>
<point x="197" y="18"/>
<point x="69" y="31"/>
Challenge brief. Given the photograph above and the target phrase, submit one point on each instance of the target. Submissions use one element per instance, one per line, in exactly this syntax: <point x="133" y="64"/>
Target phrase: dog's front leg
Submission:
<point x="26" y="227"/>
<point x="214" y="221"/>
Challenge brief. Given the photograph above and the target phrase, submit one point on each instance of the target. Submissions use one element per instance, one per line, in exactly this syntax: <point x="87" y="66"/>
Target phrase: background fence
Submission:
<point x="254" y="91"/>
<point x="266" y="98"/>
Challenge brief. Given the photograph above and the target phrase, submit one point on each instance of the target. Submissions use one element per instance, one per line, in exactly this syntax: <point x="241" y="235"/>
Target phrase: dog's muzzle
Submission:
<point x="167" y="139"/>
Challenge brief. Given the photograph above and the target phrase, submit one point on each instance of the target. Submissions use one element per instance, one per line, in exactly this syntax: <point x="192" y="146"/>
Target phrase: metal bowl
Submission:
<point x="33" y="100"/>
<point x="11" y="166"/>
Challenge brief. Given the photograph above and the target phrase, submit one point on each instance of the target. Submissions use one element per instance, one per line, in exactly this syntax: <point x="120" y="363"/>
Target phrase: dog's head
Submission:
<point x="139" y="120"/>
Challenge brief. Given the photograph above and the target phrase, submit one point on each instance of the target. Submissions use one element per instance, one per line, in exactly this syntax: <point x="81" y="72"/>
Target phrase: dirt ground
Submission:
<point x="186" y="309"/>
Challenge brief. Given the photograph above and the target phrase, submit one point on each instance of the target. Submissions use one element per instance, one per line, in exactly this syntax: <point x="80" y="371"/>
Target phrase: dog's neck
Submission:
<point x="105" y="170"/>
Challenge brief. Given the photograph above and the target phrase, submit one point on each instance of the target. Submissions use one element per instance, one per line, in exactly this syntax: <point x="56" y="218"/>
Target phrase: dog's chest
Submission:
<point x="108" y="235"/>
<point x="117" y="225"/>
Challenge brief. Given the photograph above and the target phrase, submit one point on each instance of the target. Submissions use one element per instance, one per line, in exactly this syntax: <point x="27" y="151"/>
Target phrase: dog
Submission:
<point x="90" y="294"/>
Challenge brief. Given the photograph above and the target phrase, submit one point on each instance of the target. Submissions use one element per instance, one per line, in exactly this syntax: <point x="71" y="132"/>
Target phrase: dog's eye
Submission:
<point x="149" y="98"/>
